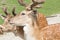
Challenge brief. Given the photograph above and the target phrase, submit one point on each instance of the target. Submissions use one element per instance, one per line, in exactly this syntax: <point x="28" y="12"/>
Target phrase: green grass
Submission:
<point x="49" y="7"/>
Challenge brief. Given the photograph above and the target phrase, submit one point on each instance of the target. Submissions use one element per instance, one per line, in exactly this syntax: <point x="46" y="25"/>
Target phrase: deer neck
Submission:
<point x="31" y="32"/>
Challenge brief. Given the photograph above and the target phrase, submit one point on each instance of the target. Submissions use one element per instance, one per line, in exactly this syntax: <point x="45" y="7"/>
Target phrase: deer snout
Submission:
<point x="11" y="22"/>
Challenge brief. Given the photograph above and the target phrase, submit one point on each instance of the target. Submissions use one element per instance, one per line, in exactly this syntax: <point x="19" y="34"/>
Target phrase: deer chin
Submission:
<point x="18" y="25"/>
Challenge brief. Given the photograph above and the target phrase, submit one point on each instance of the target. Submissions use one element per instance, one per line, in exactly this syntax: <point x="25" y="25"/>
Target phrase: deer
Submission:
<point x="30" y="20"/>
<point x="29" y="11"/>
<point x="6" y="27"/>
<point x="43" y="20"/>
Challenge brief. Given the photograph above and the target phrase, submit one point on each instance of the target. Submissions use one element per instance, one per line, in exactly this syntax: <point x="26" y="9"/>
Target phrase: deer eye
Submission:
<point x="8" y="20"/>
<point x="23" y="14"/>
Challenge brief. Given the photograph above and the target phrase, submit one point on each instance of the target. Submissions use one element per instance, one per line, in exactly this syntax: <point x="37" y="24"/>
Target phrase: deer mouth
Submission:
<point x="13" y="24"/>
<point x="20" y="25"/>
<point x="17" y="25"/>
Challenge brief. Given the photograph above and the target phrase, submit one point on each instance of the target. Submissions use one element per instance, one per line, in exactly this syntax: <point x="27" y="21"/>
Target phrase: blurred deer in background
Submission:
<point x="6" y="27"/>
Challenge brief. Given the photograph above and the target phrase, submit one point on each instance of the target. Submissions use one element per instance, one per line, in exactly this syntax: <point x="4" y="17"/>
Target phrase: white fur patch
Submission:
<point x="27" y="32"/>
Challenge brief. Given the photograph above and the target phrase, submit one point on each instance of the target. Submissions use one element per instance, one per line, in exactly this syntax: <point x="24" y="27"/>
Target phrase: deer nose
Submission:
<point x="11" y="22"/>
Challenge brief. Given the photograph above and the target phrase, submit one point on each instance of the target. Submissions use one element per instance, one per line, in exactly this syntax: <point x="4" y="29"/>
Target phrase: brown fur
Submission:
<point x="48" y="32"/>
<point x="41" y="19"/>
<point x="51" y="32"/>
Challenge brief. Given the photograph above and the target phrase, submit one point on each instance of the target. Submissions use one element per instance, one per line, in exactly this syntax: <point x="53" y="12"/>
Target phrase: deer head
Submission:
<point x="6" y="25"/>
<point x="26" y="13"/>
<point x="29" y="13"/>
<point x="24" y="17"/>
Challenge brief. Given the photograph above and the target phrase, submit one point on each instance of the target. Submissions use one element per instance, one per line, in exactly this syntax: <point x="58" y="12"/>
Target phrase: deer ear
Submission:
<point x="2" y="16"/>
